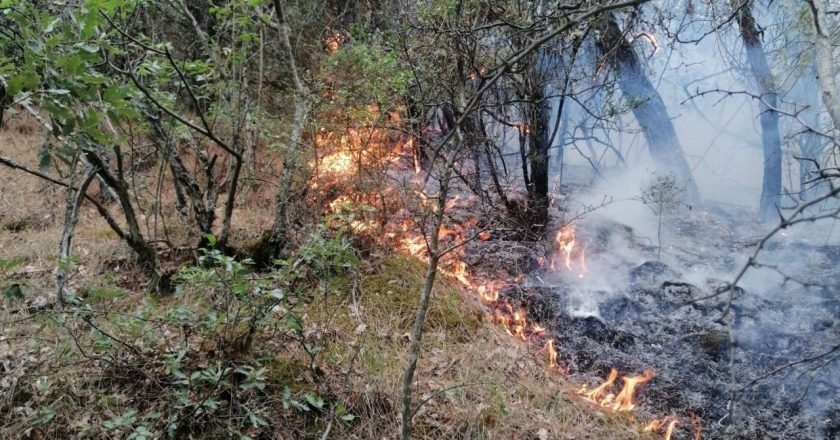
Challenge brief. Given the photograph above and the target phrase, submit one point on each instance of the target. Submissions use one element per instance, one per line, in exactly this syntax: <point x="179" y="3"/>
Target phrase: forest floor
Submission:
<point x="130" y="364"/>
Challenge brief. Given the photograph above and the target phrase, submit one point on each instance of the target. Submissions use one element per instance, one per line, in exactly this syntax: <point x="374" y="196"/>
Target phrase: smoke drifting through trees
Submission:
<point x="524" y="108"/>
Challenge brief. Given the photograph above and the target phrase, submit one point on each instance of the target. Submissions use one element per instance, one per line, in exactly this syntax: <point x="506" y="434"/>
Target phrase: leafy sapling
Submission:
<point x="664" y="195"/>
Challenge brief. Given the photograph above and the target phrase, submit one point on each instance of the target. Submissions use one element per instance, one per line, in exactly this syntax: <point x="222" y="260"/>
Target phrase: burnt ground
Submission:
<point x="631" y="312"/>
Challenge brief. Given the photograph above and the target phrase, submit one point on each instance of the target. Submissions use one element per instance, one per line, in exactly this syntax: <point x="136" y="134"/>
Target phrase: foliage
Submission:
<point x="663" y="195"/>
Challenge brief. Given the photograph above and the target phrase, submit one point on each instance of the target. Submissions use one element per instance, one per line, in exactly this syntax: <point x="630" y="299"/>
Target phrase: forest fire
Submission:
<point x="566" y="242"/>
<point x="570" y="255"/>
<point x="552" y="353"/>
<point x="668" y="423"/>
<point x="624" y="400"/>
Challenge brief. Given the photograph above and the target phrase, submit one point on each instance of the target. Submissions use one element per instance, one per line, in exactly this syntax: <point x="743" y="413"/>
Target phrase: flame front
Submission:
<point x="566" y="242"/>
<point x="624" y="400"/>
<point x="670" y="423"/>
<point x="552" y="354"/>
<point x="350" y="151"/>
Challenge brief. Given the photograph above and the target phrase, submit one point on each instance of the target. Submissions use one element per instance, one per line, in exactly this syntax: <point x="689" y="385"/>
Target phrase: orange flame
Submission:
<point x="565" y="240"/>
<point x="488" y="292"/>
<point x="597" y="395"/>
<point x="552" y="354"/>
<point x="460" y="273"/>
<point x="624" y="400"/>
<point x="414" y="245"/>
<point x="670" y="423"/>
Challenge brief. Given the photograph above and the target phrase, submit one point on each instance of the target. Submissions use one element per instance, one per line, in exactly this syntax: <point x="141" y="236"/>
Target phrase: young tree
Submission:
<point x="663" y="194"/>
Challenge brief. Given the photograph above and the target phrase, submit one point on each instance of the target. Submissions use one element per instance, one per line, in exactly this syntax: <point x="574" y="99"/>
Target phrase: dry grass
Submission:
<point x="475" y="381"/>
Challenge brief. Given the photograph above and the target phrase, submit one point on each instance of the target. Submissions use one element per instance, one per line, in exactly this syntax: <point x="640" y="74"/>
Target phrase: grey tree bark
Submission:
<point x="73" y="201"/>
<point x="825" y="61"/>
<point x="647" y="105"/>
<point x="426" y="291"/>
<point x="771" y="187"/>
<point x="279" y="230"/>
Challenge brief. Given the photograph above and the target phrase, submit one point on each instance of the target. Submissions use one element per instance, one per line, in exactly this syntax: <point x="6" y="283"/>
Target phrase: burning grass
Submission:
<point x="475" y="381"/>
<point x="117" y="372"/>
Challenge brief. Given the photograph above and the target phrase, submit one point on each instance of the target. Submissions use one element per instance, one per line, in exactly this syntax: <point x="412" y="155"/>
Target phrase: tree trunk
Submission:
<point x="540" y="138"/>
<point x="648" y="107"/>
<point x="825" y="61"/>
<point x="426" y="292"/>
<point x="73" y="202"/>
<point x="146" y="255"/>
<point x="279" y="230"/>
<point x="810" y="147"/>
<point x="771" y="187"/>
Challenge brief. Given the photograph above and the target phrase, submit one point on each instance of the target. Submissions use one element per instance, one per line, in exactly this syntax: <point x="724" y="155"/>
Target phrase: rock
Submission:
<point x="592" y="328"/>
<point x="620" y="308"/>
<point x="651" y="274"/>
<point x="714" y="343"/>
<point x="681" y="292"/>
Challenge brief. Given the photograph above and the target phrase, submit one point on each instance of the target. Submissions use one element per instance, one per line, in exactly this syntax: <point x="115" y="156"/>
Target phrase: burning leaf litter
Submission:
<point x="409" y="239"/>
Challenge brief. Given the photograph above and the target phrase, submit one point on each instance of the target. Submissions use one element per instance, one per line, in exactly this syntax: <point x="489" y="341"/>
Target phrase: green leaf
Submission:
<point x="22" y="81"/>
<point x="11" y="264"/>
<point x="314" y="400"/>
<point x="42" y="417"/>
<point x="106" y="292"/>
<point x="211" y="239"/>
<point x="293" y="323"/>
<point x="115" y="94"/>
<point x="14" y="292"/>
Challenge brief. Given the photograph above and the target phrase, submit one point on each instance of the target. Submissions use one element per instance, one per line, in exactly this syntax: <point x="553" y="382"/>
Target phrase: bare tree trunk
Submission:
<point x="426" y="292"/>
<point x="279" y="230"/>
<point x="204" y="216"/>
<point x="771" y="187"/>
<point x="648" y="107"/>
<point x="541" y="136"/>
<point x="825" y="61"/>
<point x="810" y="146"/>
<point x="73" y="201"/>
<point x="146" y="255"/>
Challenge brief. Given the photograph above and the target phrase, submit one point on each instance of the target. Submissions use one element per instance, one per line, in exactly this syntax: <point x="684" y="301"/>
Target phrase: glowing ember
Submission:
<point x="695" y="422"/>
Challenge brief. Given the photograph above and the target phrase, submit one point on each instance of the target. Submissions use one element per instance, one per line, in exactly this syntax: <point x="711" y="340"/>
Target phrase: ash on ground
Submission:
<point x="627" y="310"/>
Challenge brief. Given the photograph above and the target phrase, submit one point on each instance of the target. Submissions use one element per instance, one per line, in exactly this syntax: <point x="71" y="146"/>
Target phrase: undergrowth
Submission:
<point x="313" y="348"/>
